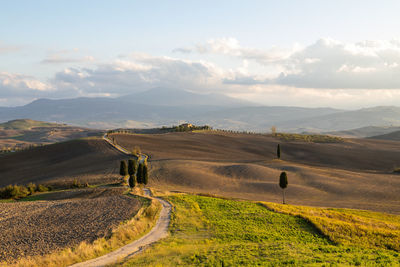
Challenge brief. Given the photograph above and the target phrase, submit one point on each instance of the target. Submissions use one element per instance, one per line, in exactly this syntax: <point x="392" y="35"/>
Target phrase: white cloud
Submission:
<point x="327" y="64"/>
<point x="21" y="85"/>
<point x="8" y="48"/>
<point x="231" y="47"/>
<point x="66" y="56"/>
<point x="277" y="76"/>
<point x="138" y="72"/>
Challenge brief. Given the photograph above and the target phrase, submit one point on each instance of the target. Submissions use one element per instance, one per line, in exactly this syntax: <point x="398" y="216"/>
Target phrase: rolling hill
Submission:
<point x="357" y="173"/>
<point x="395" y="136"/>
<point x="24" y="133"/>
<point x="364" y="132"/>
<point x="88" y="160"/>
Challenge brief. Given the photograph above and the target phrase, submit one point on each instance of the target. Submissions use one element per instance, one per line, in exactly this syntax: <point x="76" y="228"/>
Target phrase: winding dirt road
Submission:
<point x="159" y="231"/>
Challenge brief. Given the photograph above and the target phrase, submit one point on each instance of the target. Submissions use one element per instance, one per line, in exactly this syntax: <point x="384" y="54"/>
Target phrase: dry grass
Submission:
<point x="349" y="227"/>
<point x="125" y="233"/>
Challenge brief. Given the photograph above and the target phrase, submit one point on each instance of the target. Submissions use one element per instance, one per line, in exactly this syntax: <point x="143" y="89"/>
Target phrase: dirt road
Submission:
<point x="160" y="230"/>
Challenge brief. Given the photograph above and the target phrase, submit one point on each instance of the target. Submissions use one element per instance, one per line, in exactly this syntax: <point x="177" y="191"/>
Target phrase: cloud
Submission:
<point x="327" y="70"/>
<point x="139" y="72"/>
<point x="66" y="56"/>
<point x="325" y="64"/>
<point x="335" y="65"/>
<point x="231" y="47"/>
<point x="8" y="48"/>
<point x="22" y="86"/>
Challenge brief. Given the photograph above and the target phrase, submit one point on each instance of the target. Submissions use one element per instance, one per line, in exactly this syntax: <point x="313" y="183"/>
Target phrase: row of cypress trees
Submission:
<point x="138" y="172"/>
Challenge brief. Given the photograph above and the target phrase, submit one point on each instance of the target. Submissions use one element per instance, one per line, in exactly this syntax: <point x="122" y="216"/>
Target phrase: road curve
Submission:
<point x="160" y="230"/>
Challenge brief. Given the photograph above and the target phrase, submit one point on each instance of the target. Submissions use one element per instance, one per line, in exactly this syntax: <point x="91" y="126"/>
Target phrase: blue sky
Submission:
<point x="343" y="52"/>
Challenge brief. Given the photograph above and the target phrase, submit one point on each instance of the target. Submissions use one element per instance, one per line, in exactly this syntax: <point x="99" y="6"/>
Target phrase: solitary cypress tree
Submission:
<point x="123" y="170"/>
<point x="278" y="151"/>
<point x="283" y="182"/>
<point x="132" y="166"/>
<point x="139" y="175"/>
<point x="145" y="174"/>
<point x="132" y="181"/>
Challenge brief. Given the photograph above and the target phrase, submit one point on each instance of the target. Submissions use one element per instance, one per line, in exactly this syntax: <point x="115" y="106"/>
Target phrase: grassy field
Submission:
<point x="345" y="226"/>
<point x="207" y="231"/>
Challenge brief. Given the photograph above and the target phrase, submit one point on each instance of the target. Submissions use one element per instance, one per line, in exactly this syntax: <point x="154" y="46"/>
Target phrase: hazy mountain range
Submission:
<point x="161" y="106"/>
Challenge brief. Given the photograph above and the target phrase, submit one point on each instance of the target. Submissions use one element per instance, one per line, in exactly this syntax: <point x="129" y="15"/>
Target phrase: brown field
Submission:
<point x="357" y="173"/>
<point x="88" y="160"/>
<point x="63" y="220"/>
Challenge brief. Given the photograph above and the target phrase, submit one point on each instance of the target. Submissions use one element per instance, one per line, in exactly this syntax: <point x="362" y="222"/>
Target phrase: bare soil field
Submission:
<point x="357" y="173"/>
<point x="88" y="160"/>
<point x="64" y="220"/>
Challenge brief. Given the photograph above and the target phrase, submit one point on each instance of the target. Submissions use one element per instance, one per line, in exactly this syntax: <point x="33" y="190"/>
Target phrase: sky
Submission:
<point x="342" y="54"/>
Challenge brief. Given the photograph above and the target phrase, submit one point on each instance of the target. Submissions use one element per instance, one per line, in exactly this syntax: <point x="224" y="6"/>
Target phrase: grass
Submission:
<point x="310" y="138"/>
<point x="207" y="231"/>
<point x="350" y="227"/>
<point x="125" y="233"/>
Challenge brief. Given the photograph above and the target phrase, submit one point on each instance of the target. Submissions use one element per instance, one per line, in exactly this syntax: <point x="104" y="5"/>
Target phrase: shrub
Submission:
<point x="31" y="188"/>
<point x="14" y="191"/>
<point x="42" y="188"/>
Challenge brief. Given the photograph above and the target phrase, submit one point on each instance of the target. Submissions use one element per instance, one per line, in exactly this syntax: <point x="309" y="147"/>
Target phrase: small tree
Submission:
<point x="273" y="131"/>
<point x="139" y="175"/>
<point x="278" y="151"/>
<point x="145" y="174"/>
<point x="132" y="181"/>
<point x="123" y="169"/>
<point x="283" y="182"/>
<point x="132" y="164"/>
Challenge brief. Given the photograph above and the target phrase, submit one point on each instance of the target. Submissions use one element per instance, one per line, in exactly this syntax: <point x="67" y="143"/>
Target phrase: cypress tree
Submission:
<point x="283" y="182"/>
<point x="278" y="151"/>
<point x="132" y="164"/>
<point x="145" y="174"/>
<point x="123" y="169"/>
<point x="132" y="181"/>
<point x="139" y="175"/>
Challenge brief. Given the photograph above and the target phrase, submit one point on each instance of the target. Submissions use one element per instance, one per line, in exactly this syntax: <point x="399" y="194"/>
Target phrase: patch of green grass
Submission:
<point x="310" y="138"/>
<point x="37" y="196"/>
<point x="350" y="227"/>
<point x="208" y="231"/>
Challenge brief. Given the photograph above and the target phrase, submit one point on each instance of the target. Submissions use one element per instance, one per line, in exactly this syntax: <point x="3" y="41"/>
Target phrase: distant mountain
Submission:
<point x="159" y="107"/>
<point x="338" y="121"/>
<point x="176" y="97"/>
<point x="364" y="132"/>
<point x="394" y="136"/>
